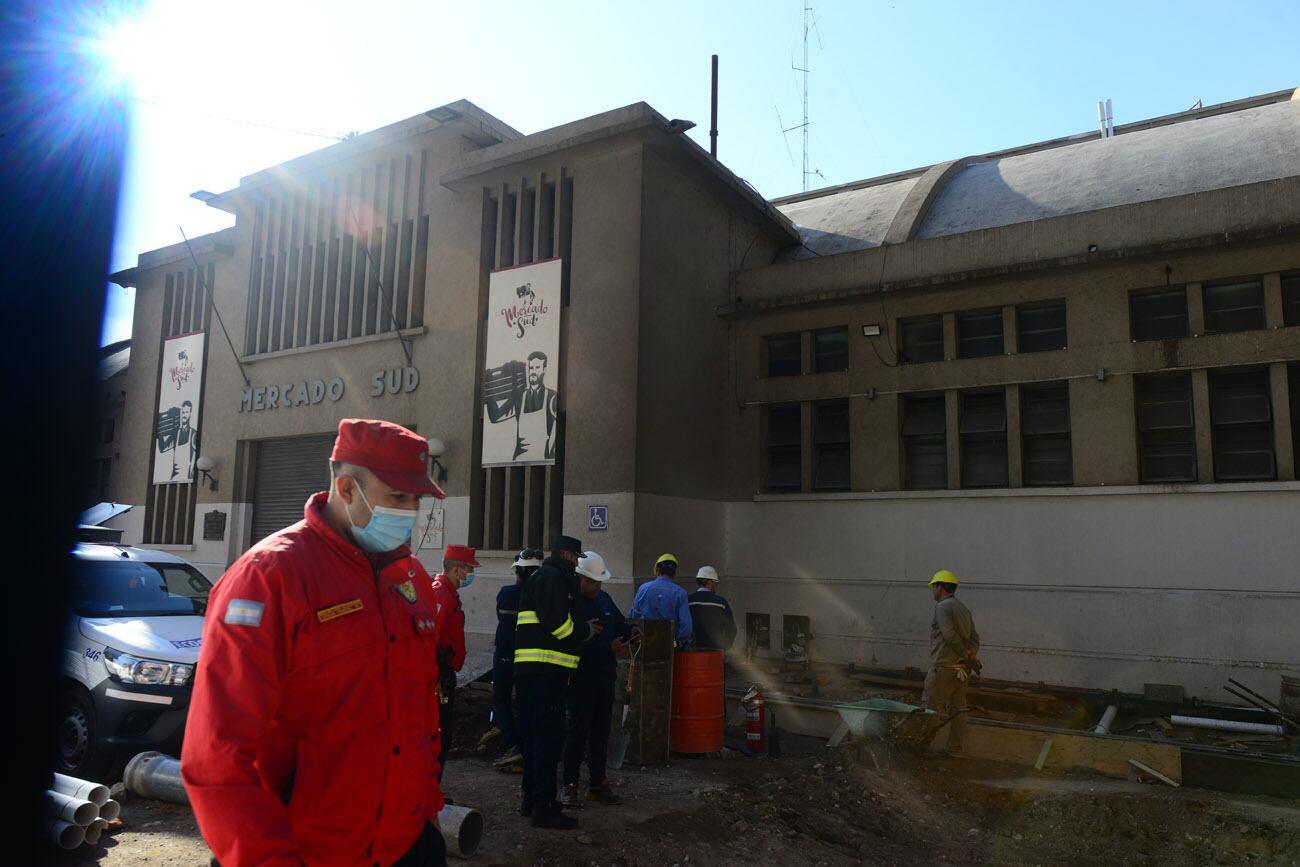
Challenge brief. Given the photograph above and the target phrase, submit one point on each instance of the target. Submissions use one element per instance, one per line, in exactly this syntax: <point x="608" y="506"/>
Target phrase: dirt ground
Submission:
<point x="815" y="805"/>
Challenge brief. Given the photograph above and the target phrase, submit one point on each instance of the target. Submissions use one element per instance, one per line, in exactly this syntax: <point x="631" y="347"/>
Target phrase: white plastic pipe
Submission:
<point x="84" y="789"/>
<point x="462" y="829"/>
<point x="75" y="810"/>
<point x="95" y="830"/>
<point x="110" y="811"/>
<point x="1227" y="725"/>
<point x="1107" y="718"/>
<point x="65" y="834"/>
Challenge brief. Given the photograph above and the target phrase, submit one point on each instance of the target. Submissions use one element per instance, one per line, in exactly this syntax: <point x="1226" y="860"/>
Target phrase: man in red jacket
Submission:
<point x="457" y="571"/>
<point x="313" y="730"/>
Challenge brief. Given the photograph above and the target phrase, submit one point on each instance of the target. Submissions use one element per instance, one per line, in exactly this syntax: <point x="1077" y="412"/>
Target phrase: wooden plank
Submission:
<point x="1152" y="772"/>
<point x="1105" y="755"/>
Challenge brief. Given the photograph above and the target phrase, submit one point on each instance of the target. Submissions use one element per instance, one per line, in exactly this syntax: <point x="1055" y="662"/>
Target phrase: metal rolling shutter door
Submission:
<point x="288" y="472"/>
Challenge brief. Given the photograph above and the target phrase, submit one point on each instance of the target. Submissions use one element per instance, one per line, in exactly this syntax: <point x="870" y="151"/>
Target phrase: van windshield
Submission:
<point x="134" y="589"/>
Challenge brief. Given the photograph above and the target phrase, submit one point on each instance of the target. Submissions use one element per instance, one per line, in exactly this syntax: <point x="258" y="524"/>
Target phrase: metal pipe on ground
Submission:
<point x="462" y="829"/>
<point x="78" y="788"/>
<point x="78" y="811"/>
<point x="1107" y="719"/>
<point x="155" y="775"/>
<point x="65" y="834"/>
<point x="1225" y="725"/>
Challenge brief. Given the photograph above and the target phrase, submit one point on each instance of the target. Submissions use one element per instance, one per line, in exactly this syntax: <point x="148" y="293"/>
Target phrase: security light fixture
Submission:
<point x="436" y="450"/>
<point x="205" y="465"/>
<point x="871" y="331"/>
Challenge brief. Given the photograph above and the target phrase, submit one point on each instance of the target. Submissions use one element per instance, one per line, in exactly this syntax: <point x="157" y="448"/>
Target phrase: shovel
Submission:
<point x="618" y="745"/>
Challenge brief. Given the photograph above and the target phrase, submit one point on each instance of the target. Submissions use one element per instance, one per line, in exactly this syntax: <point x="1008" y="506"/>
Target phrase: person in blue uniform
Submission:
<point x="528" y="561"/>
<point x="591" y="692"/>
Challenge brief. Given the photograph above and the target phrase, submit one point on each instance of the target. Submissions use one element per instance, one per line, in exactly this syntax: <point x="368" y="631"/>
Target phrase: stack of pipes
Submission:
<point x="77" y="811"/>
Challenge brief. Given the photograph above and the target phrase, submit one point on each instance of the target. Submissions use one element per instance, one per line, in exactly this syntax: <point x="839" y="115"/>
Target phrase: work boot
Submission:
<point x="489" y="736"/>
<point x="569" y="797"/>
<point x="526" y="807"/>
<point x="603" y="793"/>
<point x="510" y="757"/>
<point x="551" y="816"/>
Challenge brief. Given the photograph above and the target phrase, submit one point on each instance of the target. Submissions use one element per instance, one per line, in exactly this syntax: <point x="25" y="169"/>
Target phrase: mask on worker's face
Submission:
<point x="467" y="580"/>
<point x="388" y="530"/>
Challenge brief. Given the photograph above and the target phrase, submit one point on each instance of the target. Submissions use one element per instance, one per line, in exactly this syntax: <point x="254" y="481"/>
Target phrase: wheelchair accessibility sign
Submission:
<point x="597" y="518"/>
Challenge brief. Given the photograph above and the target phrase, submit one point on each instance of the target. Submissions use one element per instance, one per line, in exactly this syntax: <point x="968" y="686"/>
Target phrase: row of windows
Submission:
<point x="1154" y="314"/>
<point x="1241" y="434"/>
<point x="829" y="349"/>
<point x="1229" y="305"/>
<point x="1039" y="327"/>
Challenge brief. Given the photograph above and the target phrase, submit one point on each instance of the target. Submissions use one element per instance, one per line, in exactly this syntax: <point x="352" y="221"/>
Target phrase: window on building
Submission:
<point x="979" y="335"/>
<point x="783" y="354"/>
<point x="831" y="446"/>
<point x="1241" y="420"/>
<point x="920" y="339"/>
<point x="831" y="349"/>
<point x="1166" y="436"/>
<point x="1291" y="298"/>
<point x="1041" y="326"/>
<point x="983" y="429"/>
<point x="1045" y="435"/>
<point x="1156" y="314"/>
<point x="784" y="452"/>
<point x="1233" y="305"/>
<point x="1293" y="380"/>
<point x="925" y="442"/>
<point x="106" y="431"/>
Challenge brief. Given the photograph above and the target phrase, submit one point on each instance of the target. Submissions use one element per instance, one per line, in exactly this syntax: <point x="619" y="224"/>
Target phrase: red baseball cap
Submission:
<point x="397" y="456"/>
<point x="461" y="554"/>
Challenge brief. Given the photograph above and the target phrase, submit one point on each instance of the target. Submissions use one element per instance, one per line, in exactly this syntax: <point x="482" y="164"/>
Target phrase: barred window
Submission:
<point x="1041" y="326"/>
<point x="925" y="442"/>
<point x="921" y="339"/>
<point x="783" y="354"/>
<point x="784" y="448"/>
<point x="831" y="349"/>
<point x="1241" y="424"/>
<point x="1166" y="435"/>
<point x="1157" y="314"/>
<point x="979" y="335"/>
<point x="1045" y="435"/>
<point x="983" y="429"/>
<point x="831" y="446"/>
<point x="1233" y="305"/>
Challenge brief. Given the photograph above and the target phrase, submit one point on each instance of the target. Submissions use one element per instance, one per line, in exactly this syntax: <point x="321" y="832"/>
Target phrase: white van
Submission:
<point x="135" y="619"/>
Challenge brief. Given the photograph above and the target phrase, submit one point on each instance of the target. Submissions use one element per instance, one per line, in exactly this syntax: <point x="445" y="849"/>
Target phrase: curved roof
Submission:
<point x="1212" y="153"/>
<point x="1142" y="163"/>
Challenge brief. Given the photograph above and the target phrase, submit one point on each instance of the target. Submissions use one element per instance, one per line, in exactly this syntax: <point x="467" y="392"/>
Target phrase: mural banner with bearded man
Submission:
<point x="520" y="402"/>
<point x="176" y="436"/>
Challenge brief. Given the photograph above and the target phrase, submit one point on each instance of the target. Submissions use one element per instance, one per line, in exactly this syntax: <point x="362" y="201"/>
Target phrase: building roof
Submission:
<point x="1218" y="147"/>
<point x="114" y="359"/>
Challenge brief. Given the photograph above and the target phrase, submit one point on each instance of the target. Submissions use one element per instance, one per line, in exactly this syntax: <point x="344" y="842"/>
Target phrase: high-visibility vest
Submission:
<point x="545" y="643"/>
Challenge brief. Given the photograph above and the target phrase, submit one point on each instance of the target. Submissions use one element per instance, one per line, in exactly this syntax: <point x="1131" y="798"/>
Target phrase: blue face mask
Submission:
<point x="388" y="530"/>
<point x="467" y="580"/>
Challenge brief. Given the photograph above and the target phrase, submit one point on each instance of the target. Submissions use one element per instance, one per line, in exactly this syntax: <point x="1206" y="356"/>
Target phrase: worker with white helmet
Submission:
<point x="954" y="647"/>
<point x="715" y="625"/>
<point x="591" y="691"/>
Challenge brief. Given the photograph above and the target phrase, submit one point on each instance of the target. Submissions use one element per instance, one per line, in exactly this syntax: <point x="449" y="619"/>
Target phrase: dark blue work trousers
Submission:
<point x="541" y="732"/>
<point x="503" y="700"/>
<point x="591" y="703"/>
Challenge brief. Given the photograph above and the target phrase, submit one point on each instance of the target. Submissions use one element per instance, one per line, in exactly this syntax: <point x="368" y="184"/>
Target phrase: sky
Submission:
<point x="223" y="89"/>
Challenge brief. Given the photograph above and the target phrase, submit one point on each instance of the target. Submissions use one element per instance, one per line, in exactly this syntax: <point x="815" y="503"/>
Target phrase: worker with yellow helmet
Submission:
<point x="954" y="647"/>
<point x="663" y="599"/>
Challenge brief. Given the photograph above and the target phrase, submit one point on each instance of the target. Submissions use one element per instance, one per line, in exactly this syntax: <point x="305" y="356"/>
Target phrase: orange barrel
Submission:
<point x="699" y="708"/>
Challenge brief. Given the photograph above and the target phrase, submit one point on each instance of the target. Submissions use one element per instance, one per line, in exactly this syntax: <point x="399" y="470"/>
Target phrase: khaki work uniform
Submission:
<point x="952" y="636"/>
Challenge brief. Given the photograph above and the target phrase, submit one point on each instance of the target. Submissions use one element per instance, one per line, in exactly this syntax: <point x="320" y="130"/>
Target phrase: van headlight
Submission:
<point x="156" y="672"/>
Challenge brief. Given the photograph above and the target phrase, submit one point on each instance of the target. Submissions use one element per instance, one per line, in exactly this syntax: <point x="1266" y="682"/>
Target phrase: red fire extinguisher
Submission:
<point x="755" y="721"/>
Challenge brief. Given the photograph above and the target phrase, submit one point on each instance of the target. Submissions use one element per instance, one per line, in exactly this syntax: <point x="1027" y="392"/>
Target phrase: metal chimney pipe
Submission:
<point x="713" y="112"/>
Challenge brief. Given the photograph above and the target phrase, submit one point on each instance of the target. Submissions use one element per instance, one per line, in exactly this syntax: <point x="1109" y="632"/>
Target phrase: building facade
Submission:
<point x="1066" y="371"/>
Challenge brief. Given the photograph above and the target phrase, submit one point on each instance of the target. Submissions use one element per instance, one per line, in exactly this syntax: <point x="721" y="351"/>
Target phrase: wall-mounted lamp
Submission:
<point x="205" y="465"/>
<point x="871" y="331"/>
<point x="436" y="450"/>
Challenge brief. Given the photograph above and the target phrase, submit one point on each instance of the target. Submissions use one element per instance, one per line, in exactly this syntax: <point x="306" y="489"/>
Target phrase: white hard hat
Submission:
<point x="708" y="573"/>
<point x="592" y="565"/>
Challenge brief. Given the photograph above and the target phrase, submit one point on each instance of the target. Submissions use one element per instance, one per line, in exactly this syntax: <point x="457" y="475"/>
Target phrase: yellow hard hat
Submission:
<point x="943" y="576"/>
<point x="667" y="558"/>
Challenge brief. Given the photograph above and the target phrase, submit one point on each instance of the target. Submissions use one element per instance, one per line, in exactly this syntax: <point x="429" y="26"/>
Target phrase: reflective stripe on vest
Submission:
<point x="554" y="657"/>
<point x="526" y="617"/>
<point x="565" y="629"/>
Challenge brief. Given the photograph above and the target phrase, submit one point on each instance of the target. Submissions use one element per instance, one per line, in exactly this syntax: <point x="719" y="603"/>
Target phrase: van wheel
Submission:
<point x="78" y="754"/>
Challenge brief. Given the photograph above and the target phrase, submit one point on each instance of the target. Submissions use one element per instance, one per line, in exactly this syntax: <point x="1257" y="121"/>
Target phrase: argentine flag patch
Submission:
<point x="244" y="612"/>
